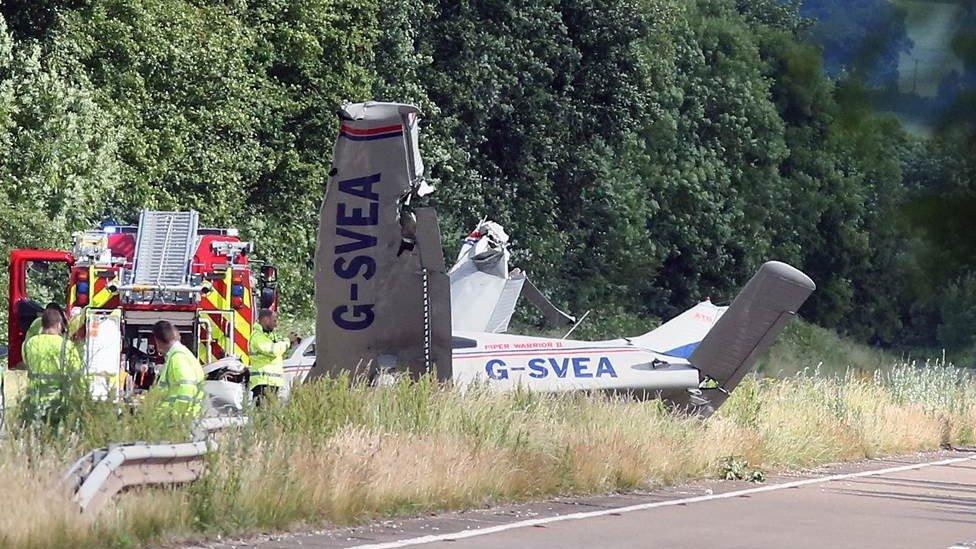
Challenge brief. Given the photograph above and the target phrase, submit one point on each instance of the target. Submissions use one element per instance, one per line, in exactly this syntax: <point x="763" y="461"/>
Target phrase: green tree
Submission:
<point x="227" y="107"/>
<point x="58" y="150"/>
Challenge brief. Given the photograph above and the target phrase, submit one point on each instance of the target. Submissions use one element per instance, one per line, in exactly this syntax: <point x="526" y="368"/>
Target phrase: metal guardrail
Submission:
<point x="210" y="426"/>
<point x="94" y="479"/>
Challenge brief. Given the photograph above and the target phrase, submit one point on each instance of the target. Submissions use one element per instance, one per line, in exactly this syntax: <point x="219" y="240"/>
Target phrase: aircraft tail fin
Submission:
<point x="746" y="330"/>
<point x="681" y="335"/>
<point x="381" y="294"/>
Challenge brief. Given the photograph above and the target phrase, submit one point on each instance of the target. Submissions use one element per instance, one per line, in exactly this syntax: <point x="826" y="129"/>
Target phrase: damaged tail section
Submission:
<point x="483" y="289"/>
<point x="381" y="292"/>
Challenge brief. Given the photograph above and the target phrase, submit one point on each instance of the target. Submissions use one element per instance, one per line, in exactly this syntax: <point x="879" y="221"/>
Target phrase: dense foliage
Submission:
<point x="644" y="153"/>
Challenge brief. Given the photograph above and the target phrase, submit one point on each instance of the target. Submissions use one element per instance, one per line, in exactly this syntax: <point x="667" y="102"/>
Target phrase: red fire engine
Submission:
<point x="123" y="279"/>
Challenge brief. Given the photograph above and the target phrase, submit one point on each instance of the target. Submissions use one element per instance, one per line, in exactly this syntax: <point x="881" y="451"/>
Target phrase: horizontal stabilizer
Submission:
<point x="750" y="325"/>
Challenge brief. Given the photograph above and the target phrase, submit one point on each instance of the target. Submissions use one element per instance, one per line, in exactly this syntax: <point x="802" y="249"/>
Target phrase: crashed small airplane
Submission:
<point x="386" y="304"/>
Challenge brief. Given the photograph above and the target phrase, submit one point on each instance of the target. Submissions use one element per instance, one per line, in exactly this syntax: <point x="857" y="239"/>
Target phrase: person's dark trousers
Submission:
<point x="260" y="392"/>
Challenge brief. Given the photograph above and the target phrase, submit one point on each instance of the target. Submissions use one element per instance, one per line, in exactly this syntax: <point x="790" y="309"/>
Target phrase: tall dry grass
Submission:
<point x="338" y="453"/>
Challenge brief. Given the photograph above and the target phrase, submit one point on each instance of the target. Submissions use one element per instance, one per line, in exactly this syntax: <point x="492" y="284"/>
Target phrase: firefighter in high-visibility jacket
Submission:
<point x="181" y="379"/>
<point x="53" y="364"/>
<point x="267" y="356"/>
<point x="35" y="326"/>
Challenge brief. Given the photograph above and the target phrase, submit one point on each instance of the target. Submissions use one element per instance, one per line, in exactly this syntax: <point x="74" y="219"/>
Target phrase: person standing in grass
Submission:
<point x="35" y="326"/>
<point x="53" y="364"/>
<point x="182" y="377"/>
<point x="267" y="357"/>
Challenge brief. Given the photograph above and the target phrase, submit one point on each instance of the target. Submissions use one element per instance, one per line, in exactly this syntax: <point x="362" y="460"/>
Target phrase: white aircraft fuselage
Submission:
<point x="505" y="362"/>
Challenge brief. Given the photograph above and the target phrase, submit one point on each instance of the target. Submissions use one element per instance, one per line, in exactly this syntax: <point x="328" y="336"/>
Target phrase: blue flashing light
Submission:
<point x="237" y="290"/>
<point x="109" y="223"/>
<point x="82" y="287"/>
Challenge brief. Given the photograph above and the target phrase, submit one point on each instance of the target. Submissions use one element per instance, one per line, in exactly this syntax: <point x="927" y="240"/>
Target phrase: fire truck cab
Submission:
<point x="123" y="279"/>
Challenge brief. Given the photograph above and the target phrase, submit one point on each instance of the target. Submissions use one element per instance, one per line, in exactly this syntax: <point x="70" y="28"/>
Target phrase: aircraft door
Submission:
<point x="23" y="307"/>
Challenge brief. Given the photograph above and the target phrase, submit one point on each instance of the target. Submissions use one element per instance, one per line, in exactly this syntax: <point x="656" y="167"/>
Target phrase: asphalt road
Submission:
<point x="920" y="502"/>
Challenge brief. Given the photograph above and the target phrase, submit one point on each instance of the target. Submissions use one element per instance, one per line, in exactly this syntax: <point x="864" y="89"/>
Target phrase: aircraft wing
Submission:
<point x="379" y="268"/>
<point x="750" y="325"/>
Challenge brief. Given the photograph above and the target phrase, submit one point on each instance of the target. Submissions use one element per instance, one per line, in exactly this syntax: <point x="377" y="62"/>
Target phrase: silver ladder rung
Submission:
<point x="164" y="248"/>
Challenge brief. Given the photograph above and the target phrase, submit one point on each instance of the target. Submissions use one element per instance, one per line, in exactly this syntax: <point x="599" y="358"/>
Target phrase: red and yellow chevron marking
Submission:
<point x="219" y="299"/>
<point x="242" y="327"/>
<point x="102" y="298"/>
<point x="215" y="301"/>
<point x="99" y="295"/>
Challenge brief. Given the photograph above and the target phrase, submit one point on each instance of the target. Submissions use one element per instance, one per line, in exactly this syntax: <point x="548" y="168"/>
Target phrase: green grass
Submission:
<point x="339" y="453"/>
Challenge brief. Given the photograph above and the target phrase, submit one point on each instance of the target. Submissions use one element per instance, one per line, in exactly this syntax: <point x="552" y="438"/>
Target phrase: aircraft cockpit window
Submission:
<point x="463" y="343"/>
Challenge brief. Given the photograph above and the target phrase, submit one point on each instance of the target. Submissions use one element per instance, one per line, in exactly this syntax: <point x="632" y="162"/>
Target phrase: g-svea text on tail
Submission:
<point x="381" y="293"/>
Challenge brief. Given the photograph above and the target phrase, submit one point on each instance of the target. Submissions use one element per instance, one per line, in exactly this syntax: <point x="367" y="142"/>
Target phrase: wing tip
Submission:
<point x="789" y="273"/>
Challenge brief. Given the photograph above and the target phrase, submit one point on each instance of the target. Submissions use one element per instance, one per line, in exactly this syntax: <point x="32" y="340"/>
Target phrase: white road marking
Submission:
<point x="464" y="534"/>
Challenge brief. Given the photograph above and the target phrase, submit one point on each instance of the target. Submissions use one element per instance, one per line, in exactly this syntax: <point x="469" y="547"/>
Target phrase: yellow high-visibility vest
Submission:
<point x="267" y="358"/>
<point x="32" y="330"/>
<point x="182" y="381"/>
<point x="51" y="361"/>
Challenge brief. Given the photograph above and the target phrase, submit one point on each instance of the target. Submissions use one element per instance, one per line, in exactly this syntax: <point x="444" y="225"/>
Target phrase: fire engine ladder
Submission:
<point x="164" y="248"/>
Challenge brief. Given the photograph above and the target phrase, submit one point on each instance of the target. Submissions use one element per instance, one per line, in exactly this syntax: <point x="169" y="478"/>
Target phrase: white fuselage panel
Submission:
<point x="505" y="362"/>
